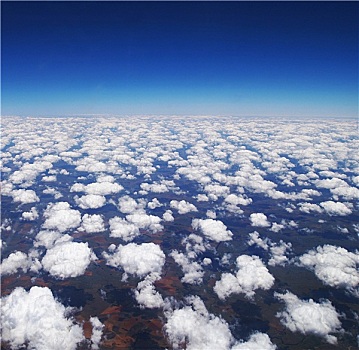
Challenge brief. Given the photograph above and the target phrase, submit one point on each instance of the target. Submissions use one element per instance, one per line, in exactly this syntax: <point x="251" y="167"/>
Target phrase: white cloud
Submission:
<point x="259" y="220"/>
<point x="97" y="329"/>
<point x="146" y="294"/>
<point x="335" y="208"/>
<point x="257" y="341"/>
<point x="61" y="217"/>
<point x="137" y="259"/>
<point x="123" y="229"/>
<point x="193" y="272"/>
<point x="68" y="259"/>
<point x="92" y="223"/>
<point x="182" y="206"/>
<point x="309" y="317"/>
<point x="167" y="216"/>
<point x="36" y="320"/>
<point x="154" y="204"/>
<point x="310" y="207"/>
<point x="90" y="201"/>
<point x="214" y="230"/>
<point x="145" y="221"/>
<point x="335" y="266"/>
<point x="194" y="326"/>
<point x="128" y="205"/>
<point x="25" y="196"/>
<point x="251" y="275"/>
<point x="19" y="260"/>
<point x="30" y="215"/>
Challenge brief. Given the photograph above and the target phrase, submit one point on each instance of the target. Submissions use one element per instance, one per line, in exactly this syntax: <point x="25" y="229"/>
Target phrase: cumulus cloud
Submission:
<point x="68" y="259"/>
<point x="191" y="326"/>
<point x="335" y="208"/>
<point x="19" y="260"/>
<point x="92" y="223"/>
<point x="182" y="206"/>
<point x="193" y="272"/>
<point x="257" y="341"/>
<point x="123" y="229"/>
<point x="30" y="215"/>
<point x="36" y="320"/>
<point x="91" y="201"/>
<point x="61" y="217"/>
<point x="251" y="275"/>
<point x="277" y="251"/>
<point x="309" y="317"/>
<point x="97" y="329"/>
<point x="195" y="328"/>
<point x="335" y="266"/>
<point x="167" y="216"/>
<point x="137" y="259"/>
<point x="102" y="188"/>
<point x="128" y="205"/>
<point x="214" y="230"/>
<point x="259" y="220"/>
<point x="145" y="221"/>
<point x="146" y="294"/>
<point x="24" y="196"/>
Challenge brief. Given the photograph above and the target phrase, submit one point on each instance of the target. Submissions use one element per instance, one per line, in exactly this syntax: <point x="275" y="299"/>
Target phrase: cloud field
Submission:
<point x="193" y="232"/>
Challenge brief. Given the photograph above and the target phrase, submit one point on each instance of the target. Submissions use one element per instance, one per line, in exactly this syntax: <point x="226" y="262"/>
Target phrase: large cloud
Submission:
<point x="19" y="260"/>
<point x="36" y="320"/>
<point x="137" y="259"/>
<point x="61" y="217"/>
<point x="68" y="259"/>
<point x="251" y="275"/>
<point x="92" y="223"/>
<point x="214" y="230"/>
<point x="309" y="317"/>
<point x="335" y="266"/>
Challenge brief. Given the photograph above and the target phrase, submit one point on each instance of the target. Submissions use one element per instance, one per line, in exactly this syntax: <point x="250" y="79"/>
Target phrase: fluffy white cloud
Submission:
<point x="277" y="250"/>
<point x="214" y="230"/>
<point x="335" y="208"/>
<point x="30" y="215"/>
<point x="100" y="188"/>
<point x="146" y="294"/>
<point x="309" y="317"/>
<point x="128" y="205"/>
<point x="257" y="341"/>
<point x="61" y="217"/>
<point x="167" y="216"/>
<point x="97" y="329"/>
<point x="68" y="259"/>
<point x="145" y="221"/>
<point x="123" y="229"/>
<point x="137" y="259"/>
<point x="194" y="326"/>
<point x="24" y="196"/>
<point x="92" y="223"/>
<point x="259" y="220"/>
<point x="193" y="272"/>
<point x="310" y="207"/>
<point x="251" y="275"/>
<point x="91" y="201"/>
<point x="333" y="265"/>
<point x="182" y="206"/>
<point x="19" y="260"/>
<point x="155" y="203"/>
<point x="36" y="320"/>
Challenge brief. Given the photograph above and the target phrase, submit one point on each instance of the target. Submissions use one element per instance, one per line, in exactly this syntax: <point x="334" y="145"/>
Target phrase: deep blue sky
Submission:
<point x="226" y="58"/>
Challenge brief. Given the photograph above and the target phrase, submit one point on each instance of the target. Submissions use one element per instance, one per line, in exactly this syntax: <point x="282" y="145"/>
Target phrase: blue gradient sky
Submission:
<point x="226" y="58"/>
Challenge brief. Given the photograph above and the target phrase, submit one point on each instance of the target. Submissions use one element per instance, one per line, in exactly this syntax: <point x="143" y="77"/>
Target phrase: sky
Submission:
<point x="183" y="58"/>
